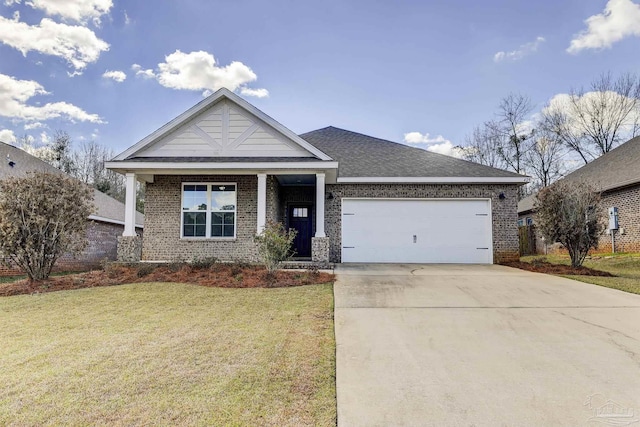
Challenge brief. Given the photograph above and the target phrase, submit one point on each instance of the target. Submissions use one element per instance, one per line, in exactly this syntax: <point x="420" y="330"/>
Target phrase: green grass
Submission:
<point x="168" y="354"/>
<point x="9" y="279"/>
<point x="625" y="266"/>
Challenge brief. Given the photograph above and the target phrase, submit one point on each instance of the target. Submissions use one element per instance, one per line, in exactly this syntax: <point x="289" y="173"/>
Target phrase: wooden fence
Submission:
<point x="527" y="237"/>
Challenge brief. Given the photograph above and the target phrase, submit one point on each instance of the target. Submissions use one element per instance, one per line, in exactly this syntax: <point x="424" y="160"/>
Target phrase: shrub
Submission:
<point x="144" y="269"/>
<point x="274" y="245"/>
<point x="203" y="263"/>
<point x="570" y="213"/>
<point x="42" y="217"/>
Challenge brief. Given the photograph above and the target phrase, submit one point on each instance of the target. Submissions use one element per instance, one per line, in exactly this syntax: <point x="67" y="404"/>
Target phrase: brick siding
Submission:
<point x="163" y="208"/>
<point x="162" y="214"/>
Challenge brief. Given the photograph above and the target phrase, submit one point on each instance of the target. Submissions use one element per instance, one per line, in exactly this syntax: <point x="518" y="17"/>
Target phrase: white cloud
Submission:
<point x="521" y="52"/>
<point x="45" y="138"/>
<point x="71" y="10"/>
<point x="620" y="19"/>
<point x="199" y="71"/>
<point x="437" y="144"/>
<point x="118" y="76"/>
<point x="127" y="19"/>
<point x="140" y="72"/>
<point x="419" y="138"/>
<point x="78" y="45"/>
<point x="446" y="148"/>
<point x="258" y="93"/>
<point x="34" y="125"/>
<point x="562" y="103"/>
<point x="7" y="136"/>
<point x="14" y="95"/>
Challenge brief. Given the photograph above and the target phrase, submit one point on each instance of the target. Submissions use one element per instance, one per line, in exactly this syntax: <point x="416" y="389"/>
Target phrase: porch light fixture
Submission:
<point x="10" y="162"/>
<point x="329" y="196"/>
<point x="501" y="196"/>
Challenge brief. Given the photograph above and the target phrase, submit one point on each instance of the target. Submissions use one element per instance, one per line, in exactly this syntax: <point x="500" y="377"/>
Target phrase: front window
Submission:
<point x="209" y="210"/>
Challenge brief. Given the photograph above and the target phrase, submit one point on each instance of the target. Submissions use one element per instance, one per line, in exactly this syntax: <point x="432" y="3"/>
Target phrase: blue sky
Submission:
<point x="384" y="68"/>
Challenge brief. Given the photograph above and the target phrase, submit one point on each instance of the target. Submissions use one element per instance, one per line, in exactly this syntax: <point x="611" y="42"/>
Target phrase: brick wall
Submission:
<point x="504" y="215"/>
<point x="103" y="243"/>
<point x="274" y="212"/>
<point x="162" y="214"/>
<point x="163" y="208"/>
<point x="627" y="200"/>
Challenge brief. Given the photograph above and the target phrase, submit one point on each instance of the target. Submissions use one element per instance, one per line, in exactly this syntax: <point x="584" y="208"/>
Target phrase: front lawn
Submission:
<point x="168" y="354"/>
<point x="626" y="268"/>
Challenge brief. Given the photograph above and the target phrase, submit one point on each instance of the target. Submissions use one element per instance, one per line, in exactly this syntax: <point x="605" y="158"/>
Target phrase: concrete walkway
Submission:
<point x="482" y="346"/>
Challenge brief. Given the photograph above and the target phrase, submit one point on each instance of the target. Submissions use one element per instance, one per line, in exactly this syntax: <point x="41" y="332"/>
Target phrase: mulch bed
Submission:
<point x="548" y="268"/>
<point x="216" y="275"/>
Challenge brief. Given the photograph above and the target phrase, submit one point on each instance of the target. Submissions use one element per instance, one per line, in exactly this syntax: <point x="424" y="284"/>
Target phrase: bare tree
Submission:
<point x="513" y="134"/>
<point x="544" y="157"/>
<point x="85" y="163"/>
<point x="504" y="142"/>
<point x="63" y="152"/>
<point x="480" y="147"/>
<point x="88" y="160"/>
<point x="593" y="122"/>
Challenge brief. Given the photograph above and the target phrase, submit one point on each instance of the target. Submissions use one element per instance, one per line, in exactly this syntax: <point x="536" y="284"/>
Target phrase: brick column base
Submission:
<point x="129" y="248"/>
<point x="320" y="250"/>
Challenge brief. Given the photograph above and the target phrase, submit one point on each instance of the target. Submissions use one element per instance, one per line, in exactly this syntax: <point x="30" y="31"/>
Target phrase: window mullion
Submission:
<point x="208" y="214"/>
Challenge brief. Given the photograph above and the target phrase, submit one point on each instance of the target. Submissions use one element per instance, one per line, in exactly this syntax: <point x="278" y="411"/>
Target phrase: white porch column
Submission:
<point x="320" y="205"/>
<point x="130" y="206"/>
<point x="262" y="201"/>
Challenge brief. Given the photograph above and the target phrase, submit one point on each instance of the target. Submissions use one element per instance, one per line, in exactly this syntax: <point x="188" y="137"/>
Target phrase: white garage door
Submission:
<point x="416" y="231"/>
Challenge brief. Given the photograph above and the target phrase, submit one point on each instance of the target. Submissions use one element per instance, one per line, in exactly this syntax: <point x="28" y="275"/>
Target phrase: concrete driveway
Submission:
<point x="482" y="346"/>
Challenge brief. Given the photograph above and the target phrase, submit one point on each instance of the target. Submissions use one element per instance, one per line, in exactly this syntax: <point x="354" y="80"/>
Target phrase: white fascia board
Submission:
<point x="201" y="106"/>
<point x="111" y="221"/>
<point x="143" y="166"/>
<point x="432" y="180"/>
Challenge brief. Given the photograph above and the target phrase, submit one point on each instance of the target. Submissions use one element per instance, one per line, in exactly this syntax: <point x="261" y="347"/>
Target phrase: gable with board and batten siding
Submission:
<point x="225" y="130"/>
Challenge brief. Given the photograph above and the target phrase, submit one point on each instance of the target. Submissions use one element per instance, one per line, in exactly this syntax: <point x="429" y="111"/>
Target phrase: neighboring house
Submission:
<point x="217" y="173"/>
<point x="617" y="175"/>
<point x="104" y="227"/>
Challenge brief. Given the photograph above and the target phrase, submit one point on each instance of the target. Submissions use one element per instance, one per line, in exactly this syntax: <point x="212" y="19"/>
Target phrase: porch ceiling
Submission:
<point x="296" y="180"/>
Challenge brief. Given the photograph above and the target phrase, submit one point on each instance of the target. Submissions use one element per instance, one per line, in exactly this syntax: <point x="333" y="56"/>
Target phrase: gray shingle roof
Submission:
<point x="106" y="206"/>
<point x="365" y="156"/>
<point x="618" y="168"/>
<point x="526" y="205"/>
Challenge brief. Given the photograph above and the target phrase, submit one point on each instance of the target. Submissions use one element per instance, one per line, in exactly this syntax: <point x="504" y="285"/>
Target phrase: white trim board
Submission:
<point x="433" y="180"/>
<point x="111" y="221"/>
<point x="219" y="165"/>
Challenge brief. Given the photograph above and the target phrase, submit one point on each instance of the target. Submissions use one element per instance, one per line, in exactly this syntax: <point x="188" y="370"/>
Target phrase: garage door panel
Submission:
<point x="418" y="231"/>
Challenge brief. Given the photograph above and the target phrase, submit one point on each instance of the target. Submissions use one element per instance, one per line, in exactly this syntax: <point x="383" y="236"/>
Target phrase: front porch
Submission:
<point x="198" y="216"/>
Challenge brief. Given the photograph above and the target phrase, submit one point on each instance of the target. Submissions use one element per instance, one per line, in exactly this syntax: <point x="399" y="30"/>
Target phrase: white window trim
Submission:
<point x="208" y="212"/>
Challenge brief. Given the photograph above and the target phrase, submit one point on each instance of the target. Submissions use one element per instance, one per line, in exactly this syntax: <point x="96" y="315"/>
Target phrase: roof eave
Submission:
<point x="521" y="180"/>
